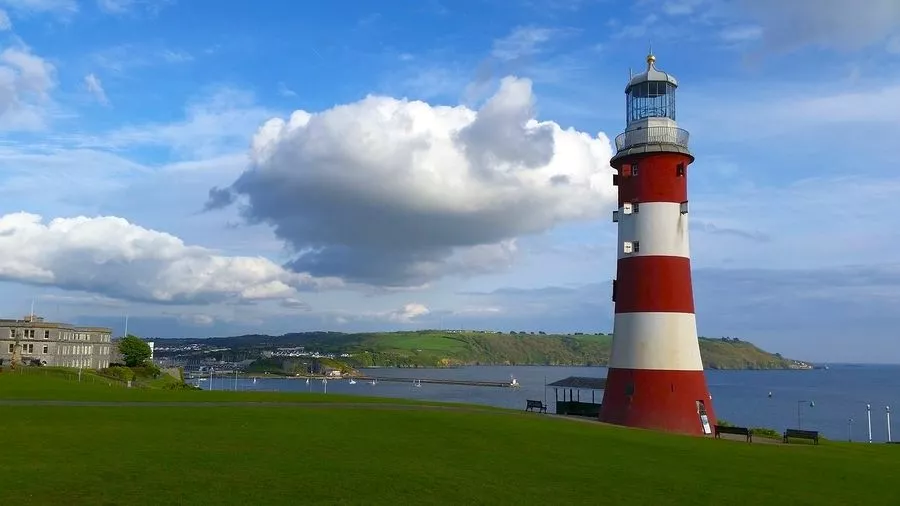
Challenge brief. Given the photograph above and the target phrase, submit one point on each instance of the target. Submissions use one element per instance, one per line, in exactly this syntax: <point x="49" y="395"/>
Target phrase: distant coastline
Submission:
<point x="300" y="352"/>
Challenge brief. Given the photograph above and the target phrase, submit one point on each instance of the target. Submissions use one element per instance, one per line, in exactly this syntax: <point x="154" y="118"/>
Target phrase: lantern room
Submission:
<point x="650" y="94"/>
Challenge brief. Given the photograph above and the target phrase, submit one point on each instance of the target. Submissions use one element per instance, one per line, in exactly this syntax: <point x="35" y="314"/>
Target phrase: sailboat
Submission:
<point x="352" y="381"/>
<point x="307" y="381"/>
<point x="374" y="381"/>
<point x="417" y="383"/>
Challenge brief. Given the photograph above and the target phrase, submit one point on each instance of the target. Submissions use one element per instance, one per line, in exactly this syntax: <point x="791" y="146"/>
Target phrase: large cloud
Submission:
<point x="396" y="192"/>
<point x="111" y="256"/>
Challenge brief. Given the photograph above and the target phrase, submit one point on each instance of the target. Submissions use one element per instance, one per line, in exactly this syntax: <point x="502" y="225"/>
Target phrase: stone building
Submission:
<point x="32" y="339"/>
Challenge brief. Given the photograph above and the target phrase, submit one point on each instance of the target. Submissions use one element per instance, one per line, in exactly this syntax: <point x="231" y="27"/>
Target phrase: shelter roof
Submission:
<point x="585" y="382"/>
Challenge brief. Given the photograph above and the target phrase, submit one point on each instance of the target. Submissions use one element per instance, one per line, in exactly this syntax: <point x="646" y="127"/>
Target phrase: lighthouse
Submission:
<point x="655" y="378"/>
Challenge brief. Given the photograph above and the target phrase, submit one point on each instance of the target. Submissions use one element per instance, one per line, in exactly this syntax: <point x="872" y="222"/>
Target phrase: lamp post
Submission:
<point x="850" y="430"/>
<point x="812" y="404"/>
<point x="869" y="417"/>
<point x="887" y="410"/>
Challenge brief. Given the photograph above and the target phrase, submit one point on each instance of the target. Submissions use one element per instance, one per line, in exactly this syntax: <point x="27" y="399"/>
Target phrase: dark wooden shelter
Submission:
<point x="573" y="405"/>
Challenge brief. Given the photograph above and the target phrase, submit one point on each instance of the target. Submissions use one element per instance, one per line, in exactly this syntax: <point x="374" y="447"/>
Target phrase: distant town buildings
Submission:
<point x="31" y="340"/>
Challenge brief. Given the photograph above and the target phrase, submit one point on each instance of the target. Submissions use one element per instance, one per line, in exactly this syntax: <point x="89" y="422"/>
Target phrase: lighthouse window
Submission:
<point x="635" y="207"/>
<point x="636" y="246"/>
<point x="650" y="99"/>
<point x="627" y="247"/>
<point x="615" y="180"/>
<point x="634" y="169"/>
<point x="615" y="216"/>
<point x="679" y="170"/>
<point x="627" y="208"/>
<point x="614" y="291"/>
<point x="684" y="207"/>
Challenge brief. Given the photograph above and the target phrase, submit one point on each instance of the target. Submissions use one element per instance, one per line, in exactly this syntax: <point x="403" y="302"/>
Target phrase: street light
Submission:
<point x="850" y="430"/>
<point x="869" y="417"/>
<point x="812" y="404"/>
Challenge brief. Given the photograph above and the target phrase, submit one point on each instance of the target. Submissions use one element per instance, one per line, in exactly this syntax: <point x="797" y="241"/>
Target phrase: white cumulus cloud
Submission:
<point x="110" y="256"/>
<point x="408" y="312"/>
<point x="395" y="192"/>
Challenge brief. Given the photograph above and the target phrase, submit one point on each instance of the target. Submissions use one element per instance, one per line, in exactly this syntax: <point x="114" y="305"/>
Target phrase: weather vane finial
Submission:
<point x="650" y="58"/>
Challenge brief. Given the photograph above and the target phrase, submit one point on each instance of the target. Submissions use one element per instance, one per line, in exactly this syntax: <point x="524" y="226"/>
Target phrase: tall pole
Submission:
<point x="850" y="430"/>
<point x="869" y="416"/>
<point x="887" y="410"/>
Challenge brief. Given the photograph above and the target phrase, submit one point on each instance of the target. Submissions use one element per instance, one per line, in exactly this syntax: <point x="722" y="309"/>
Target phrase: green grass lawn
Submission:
<point x="128" y="455"/>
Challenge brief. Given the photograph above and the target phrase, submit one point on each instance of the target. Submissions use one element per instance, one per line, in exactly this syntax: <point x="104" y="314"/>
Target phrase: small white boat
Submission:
<point x="417" y="383"/>
<point x="352" y="381"/>
<point x="307" y="381"/>
<point x="374" y="382"/>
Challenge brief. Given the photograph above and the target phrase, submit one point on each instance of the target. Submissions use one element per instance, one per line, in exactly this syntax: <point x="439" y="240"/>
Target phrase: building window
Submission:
<point x="46" y="334"/>
<point x="12" y="333"/>
<point x="46" y="349"/>
<point x="12" y="347"/>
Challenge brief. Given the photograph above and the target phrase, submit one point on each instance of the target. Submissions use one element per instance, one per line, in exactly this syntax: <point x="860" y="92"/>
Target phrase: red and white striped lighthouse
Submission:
<point x="655" y="377"/>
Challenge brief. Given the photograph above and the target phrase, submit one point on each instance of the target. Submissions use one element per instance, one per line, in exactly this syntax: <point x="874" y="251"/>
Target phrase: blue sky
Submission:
<point x="212" y="168"/>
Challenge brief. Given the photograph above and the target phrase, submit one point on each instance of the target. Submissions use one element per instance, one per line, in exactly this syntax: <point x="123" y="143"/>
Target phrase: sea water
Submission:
<point x="821" y="399"/>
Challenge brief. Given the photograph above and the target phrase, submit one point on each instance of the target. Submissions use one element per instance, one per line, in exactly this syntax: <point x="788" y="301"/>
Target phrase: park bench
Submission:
<point x="540" y="406"/>
<point x="801" y="434"/>
<point x="741" y="431"/>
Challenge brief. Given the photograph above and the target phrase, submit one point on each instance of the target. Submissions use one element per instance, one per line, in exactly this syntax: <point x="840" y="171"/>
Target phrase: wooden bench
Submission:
<point x="801" y="434"/>
<point x="540" y="406"/>
<point x="741" y="431"/>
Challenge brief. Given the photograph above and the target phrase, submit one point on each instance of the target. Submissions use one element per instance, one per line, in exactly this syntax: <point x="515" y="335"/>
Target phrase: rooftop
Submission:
<point x="582" y="382"/>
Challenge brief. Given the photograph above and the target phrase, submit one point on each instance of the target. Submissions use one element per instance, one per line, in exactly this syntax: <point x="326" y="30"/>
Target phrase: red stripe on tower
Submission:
<point x="656" y="378"/>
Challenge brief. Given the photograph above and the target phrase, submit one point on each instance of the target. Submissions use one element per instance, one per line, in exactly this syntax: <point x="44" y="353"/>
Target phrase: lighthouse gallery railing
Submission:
<point x="653" y="135"/>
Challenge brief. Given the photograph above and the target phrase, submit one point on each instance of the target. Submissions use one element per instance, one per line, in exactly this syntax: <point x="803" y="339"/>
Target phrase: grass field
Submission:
<point x="366" y="453"/>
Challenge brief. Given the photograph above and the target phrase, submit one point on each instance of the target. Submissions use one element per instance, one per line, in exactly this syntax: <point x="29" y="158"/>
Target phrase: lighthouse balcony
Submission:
<point x="653" y="138"/>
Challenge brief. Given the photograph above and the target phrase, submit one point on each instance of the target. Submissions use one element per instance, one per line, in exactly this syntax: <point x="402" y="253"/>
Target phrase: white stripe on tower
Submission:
<point x="659" y="227"/>
<point x="657" y="341"/>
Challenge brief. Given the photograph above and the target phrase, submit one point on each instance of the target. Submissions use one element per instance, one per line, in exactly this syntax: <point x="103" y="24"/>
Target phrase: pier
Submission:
<point x="365" y="379"/>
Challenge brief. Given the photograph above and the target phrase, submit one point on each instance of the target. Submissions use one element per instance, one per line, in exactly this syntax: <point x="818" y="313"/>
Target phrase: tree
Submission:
<point x="134" y="350"/>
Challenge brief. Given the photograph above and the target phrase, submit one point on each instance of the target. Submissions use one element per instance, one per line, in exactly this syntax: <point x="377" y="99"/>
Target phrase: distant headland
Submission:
<point x="444" y="348"/>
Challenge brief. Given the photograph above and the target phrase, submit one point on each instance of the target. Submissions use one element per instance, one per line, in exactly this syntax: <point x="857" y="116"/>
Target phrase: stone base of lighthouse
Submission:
<point x="672" y="401"/>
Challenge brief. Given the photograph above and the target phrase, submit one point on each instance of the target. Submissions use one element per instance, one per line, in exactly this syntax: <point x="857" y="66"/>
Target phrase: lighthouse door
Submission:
<point x="704" y="418"/>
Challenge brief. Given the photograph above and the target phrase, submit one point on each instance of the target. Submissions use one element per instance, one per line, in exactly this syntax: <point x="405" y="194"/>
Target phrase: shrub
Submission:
<point x="118" y="372"/>
<point x="148" y="370"/>
<point x="766" y="432"/>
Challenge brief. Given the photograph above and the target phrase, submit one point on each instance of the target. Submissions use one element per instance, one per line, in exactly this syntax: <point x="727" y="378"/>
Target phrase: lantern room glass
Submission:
<point x="651" y="99"/>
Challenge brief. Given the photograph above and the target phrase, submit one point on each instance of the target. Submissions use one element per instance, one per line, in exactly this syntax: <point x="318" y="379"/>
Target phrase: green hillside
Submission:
<point x="431" y="348"/>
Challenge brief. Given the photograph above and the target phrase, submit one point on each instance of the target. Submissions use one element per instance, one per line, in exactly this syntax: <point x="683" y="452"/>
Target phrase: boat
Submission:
<point x="417" y="383"/>
<point x="352" y="381"/>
